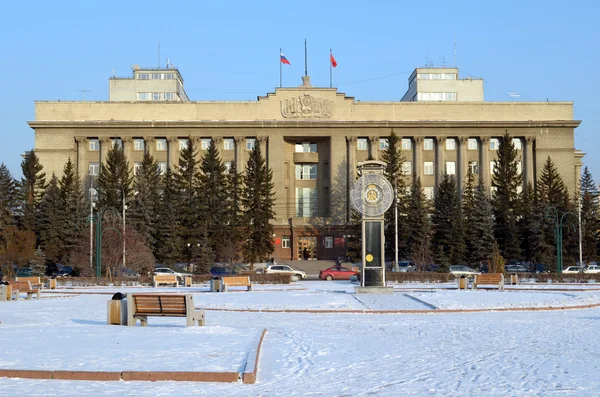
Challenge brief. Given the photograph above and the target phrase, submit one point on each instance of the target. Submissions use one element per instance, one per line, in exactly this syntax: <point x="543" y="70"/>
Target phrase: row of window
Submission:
<point x="94" y="168"/>
<point x="286" y="241"/>
<point x="156" y="76"/>
<point x="161" y="144"/>
<point x="156" y="96"/>
<point x="429" y="144"/>
<point x="435" y="96"/>
<point x="428" y="167"/>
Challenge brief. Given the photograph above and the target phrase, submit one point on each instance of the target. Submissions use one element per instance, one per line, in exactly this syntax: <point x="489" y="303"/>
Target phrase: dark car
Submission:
<point x="516" y="269"/>
<point x="65" y="271"/>
<point x="221" y="271"/>
<point x="24" y="272"/>
<point x="539" y="268"/>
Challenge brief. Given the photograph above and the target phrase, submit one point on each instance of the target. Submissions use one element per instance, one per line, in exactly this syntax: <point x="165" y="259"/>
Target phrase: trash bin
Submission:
<point x="463" y="282"/>
<point x="4" y="295"/>
<point x="187" y="281"/>
<point x="514" y="279"/>
<point x="116" y="310"/>
<point x="215" y="284"/>
<point x="52" y="283"/>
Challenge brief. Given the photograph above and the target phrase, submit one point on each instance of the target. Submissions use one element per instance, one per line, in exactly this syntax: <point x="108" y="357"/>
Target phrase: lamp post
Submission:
<point x="124" y="201"/>
<point x="559" y="223"/>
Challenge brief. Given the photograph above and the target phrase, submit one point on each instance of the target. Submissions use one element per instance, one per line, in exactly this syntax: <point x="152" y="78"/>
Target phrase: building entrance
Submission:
<point x="307" y="248"/>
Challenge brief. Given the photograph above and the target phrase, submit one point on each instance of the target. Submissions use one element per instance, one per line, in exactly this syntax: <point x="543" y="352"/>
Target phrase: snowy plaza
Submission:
<point x="321" y="339"/>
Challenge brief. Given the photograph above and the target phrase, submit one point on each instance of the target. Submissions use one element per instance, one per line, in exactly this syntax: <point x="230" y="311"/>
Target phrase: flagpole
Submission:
<point x="330" y="71"/>
<point x="305" y="60"/>
<point x="280" y="68"/>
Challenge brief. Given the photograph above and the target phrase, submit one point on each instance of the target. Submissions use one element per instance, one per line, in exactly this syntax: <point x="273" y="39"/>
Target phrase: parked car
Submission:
<point x="127" y="272"/>
<point x="405" y="266"/>
<point x="221" y="271"/>
<point x="516" y="269"/>
<point x="285" y="269"/>
<point x="573" y="270"/>
<point x="462" y="270"/>
<point x="165" y="270"/>
<point x="592" y="269"/>
<point x="337" y="273"/>
<point x="539" y="268"/>
<point x="65" y="271"/>
<point x="24" y="272"/>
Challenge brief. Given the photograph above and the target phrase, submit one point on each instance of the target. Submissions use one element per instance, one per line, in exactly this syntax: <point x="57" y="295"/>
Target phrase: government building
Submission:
<point x="313" y="138"/>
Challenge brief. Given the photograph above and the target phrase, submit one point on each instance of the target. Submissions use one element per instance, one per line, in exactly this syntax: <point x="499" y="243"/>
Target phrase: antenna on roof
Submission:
<point x="114" y="75"/>
<point x="454" y="47"/>
<point x="84" y="92"/>
<point x="514" y="95"/>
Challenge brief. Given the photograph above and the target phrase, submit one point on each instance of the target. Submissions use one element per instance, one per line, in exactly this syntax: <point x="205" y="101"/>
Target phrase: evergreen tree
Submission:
<point x="233" y="217"/>
<point x="258" y="211"/>
<point x="468" y="207"/>
<point x="531" y="229"/>
<point x="393" y="158"/>
<point x="143" y="212"/>
<point x="203" y="255"/>
<point x="589" y="216"/>
<point x="448" y="243"/>
<point x="115" y="180"/>
<point x="480" y="230"/>
<point x="8" y="197"/>
<point x="213" y="200"/>
<point x="74" y="208"/>
<point x="166" y="237"/>
<point x="31" y="189"/>
<point x="353" y="241"/>
<point x="417" y="226"/>
<point x="506" y="180"/>
<point x="51" y="223"/>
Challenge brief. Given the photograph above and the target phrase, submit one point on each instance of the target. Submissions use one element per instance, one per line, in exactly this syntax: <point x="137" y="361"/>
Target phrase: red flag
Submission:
<point x="332" y="59"/>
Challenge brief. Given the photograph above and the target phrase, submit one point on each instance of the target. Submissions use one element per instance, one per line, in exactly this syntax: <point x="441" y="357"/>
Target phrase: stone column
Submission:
<point x="484" y="159"/>
<point x="528" y="162"/>
<point x="240" y="148"/>
<point x="463" y="163"/>
<point x="418" y="159"/>
<point x="374" y="146"/>
<point x="217" y="142"/>
<point x="105" y="146"/>
<point x="127" y="148"/>
<point x="150" y="146"/>
<point x="173" y="147"/>
<point x="263" y="141"/>
<point x="351" y="147"/>
<point x="440" y="164"/>
<point x="82" y="170"/>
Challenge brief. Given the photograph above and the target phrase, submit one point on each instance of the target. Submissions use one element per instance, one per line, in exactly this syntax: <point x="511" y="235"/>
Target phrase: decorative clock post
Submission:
<point x="372" y="195"/>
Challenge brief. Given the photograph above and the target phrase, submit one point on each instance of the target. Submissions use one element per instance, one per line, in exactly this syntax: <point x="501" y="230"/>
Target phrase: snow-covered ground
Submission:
<point x="517" y="353"/>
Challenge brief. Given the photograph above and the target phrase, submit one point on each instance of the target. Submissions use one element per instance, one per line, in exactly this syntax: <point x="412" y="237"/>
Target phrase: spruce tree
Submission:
<point x="8" y="197"/>
<point x="393" y="158"/>
<point x="51" y="223"/>
<point x="448" y="244"/>
<point x="31" y="189"/>
<point x="468" y="207"/>
<point x="258" y="211"/>
<point x="166" y="237"/>
<point x="187" y="182"/>
<point x="233" y="218"/>
<point x="505" y="181"/>
<point x="480" y="230"/>
<point x="204" y="256"/>
<point x="115" y="180"/>
<point x="531" y="227"/>
<point x="417" y="226"/>
<point x="213" y="199"/>
<point x="74" y="207"/>
<point x="589" y="216"/>
<point x="144" y="204"/>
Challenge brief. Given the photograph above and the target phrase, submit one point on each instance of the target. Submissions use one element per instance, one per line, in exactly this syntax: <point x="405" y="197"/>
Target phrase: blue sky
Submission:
<point x="229" y="50"/>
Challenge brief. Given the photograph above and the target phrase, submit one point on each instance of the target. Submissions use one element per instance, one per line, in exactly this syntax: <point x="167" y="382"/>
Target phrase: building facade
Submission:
<point x="313" y="138"/>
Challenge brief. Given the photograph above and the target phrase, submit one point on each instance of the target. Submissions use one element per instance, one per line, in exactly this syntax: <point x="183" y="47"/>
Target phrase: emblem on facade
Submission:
<point x="306" y="106"/>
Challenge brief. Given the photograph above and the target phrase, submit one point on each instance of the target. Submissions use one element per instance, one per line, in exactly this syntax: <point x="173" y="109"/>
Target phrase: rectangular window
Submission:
<point x="306" y="147"/>
<point x="228" y="144"/>
<point x="407" y="168"/>
<point x="519" y="167"/>
<point x="138" y="144"/>
<point x="517" y="143"/>
<point x="285" y="241"/>
<point x="472" y="144"/>
<point x="143" y="96"/>
<point x="306" y="202"/>
<point x="156" y="96"/>
<point x="250" y="143"/>
<point x="228" y="166"/>
<point x="494" y="143"/>
<point x="450" y="144"/>
<point x="169" y="76"/>
<point x="383" y="143"/>
<point x="306" y="171"/>
<point x="450" y="167"/>
<point x="183" y="144"/>
<point x="428" y="144"/>
<point x="161" y="144"/>
<point x="361" y="144"/>
<point x="156" y="76"/>
<point x="428" y="191"/>
<point x="204" y="143"/>
<point x="474" y="167"/>
<point x="142" y="76"/>
<point x="94" y="169"/>
<point x="117" y="143"/>
<point x="137" y="166"/>
<point x="162" y="166"/>
<point x="169" y="96"/>
<point x="406" y="144"/>
<point x="428" y="168"/>
<point x="328" y="241"/>
<point x="94" y="145"/>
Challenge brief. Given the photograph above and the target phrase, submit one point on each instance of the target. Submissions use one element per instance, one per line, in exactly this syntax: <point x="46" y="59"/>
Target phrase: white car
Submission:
<point x="285" y="269"/>
<point x="462" y="270"/>
<point x="592" y="269"/>
<point x="573" y="270"/>
<point x="165" y="270"/>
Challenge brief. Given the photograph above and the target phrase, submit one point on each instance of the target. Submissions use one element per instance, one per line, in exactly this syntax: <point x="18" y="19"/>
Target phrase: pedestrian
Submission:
<point x="305" y="254"/>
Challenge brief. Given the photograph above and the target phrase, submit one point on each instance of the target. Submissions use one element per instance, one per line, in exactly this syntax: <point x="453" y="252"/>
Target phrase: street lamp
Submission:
<point x="559" y="222"/>
<point x="124" y="224"/>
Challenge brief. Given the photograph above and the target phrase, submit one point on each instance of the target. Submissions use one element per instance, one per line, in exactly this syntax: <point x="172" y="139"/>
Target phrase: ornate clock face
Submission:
<point x="372" y="195"/>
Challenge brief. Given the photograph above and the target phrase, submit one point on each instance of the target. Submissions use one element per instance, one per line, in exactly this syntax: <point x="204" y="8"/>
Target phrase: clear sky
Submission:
<point x="229" y="50"/>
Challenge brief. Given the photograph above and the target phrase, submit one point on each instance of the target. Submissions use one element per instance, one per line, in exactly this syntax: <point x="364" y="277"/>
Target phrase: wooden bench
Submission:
<point x="141" y="306"/>
<point x="35" y="281"/>
<point x="489" y="278"/>
<point x="236" y="281"/>
<point x="165" y="279"/>
<point x="24" y="287"/>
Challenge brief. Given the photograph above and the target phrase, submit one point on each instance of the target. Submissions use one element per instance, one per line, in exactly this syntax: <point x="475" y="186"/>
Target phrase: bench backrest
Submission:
<point x="165" y="278"/>
<point x="488" y="278"/>
<point x="236" y="280"/>
<point x="32" y="280"/>
<point x="21" y="285"/>
<point x="171" y="305"/>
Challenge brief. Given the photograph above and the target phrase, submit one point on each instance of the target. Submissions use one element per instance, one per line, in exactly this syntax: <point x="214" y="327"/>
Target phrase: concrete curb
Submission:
<point x="143" y="376"/>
